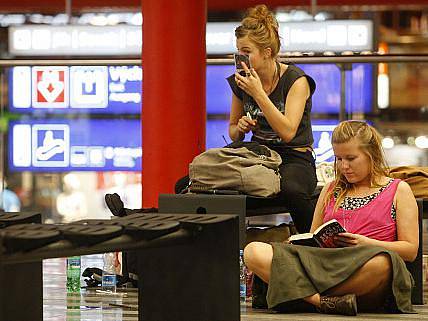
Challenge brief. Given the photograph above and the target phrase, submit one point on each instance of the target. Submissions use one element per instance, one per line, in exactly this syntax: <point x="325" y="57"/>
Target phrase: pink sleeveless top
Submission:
<point x="372" y="220"/>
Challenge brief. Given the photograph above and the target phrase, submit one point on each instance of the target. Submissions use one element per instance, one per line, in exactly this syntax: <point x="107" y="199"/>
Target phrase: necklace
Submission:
<point x="273" y="80"/>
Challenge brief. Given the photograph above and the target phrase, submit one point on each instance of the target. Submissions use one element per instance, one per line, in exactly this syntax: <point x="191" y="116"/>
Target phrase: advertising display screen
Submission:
<point x="75" y="145"/>
<point x="76" y="89"/>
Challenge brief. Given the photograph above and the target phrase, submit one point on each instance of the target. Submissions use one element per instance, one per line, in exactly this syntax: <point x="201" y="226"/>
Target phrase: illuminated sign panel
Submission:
<point x="219" y="94"/>
<point x="118" y="89"/>
<point x="38" y="40"/>
<point x="217" y="136"/>
<point x="322" y="131"/>
<point x="75" y="145"/>
<point x="317" y="36"/>
<point x="108" y="145"/>
<point x="220" y="37"/>
<point x="358" y="90"/>
<point x="329" y="35"/>
<point x="326" y="99"/>
<point x="90" y="89"/>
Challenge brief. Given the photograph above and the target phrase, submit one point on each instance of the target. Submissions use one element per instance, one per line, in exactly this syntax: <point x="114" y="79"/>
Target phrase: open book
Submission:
<point x="323" y="236"/>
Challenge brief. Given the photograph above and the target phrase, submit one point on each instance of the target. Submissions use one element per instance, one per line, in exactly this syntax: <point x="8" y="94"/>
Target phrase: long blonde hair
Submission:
<point x="370" y="143"/>
<point x="261" y="27"/>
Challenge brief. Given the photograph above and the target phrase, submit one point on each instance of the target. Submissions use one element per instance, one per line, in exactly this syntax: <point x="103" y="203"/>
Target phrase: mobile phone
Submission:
<point x="241" y="58"/>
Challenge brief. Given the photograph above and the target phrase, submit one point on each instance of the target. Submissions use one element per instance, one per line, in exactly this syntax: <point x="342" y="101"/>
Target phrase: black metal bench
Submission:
<point x="182" y="259"/>
<point x="242" y="205"/>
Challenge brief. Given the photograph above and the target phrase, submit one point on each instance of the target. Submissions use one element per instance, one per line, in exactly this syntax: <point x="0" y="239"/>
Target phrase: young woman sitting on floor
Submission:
<point x="367" y="268"/>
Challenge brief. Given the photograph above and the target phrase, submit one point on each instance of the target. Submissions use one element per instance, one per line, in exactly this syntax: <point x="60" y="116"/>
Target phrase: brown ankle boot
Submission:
<point x="345" y="304"/>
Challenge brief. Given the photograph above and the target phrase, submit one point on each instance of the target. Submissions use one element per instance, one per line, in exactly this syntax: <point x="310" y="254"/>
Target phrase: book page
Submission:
<point x="306" y="239"/>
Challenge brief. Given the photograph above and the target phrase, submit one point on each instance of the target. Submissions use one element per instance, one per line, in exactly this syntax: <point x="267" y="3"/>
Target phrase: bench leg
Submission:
<point x="192" y="282"/>
<point x="21" y="292"/>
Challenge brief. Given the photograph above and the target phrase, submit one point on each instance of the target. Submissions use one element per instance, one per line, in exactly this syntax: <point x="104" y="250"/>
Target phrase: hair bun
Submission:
<point x="261" y="27"/>
<point x="262" y="15"/>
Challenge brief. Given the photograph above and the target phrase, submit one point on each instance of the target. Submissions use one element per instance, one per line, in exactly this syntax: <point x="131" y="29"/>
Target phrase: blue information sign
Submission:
<point x="118" y="89"/>
<point x="107" y="145"/>
<point x="322" y="130"/>
<point x="75" y="145"/>
<point x="77" y="89"/>
<point x="326" y="99"/>
<point x="219" y="94"/>
<point x="359" y="88"/>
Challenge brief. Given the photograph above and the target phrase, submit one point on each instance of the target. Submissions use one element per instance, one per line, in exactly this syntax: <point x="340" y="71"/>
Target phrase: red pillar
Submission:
<point x="174" y="116"/>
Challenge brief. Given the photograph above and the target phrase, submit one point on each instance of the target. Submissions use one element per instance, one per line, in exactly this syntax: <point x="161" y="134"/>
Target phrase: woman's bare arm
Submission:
<point x="238" y="123"/>
<point x="319" y="208"/>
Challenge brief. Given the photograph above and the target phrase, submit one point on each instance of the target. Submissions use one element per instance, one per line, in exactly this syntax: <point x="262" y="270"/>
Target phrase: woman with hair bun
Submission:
<point x="273" y="100"/>
<point x="367" y="268"/>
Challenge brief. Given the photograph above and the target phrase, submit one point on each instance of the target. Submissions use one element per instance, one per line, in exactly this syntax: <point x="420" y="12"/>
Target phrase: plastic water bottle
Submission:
<point x="73" y="274"/>
<point x="109" y="273"/>
<point x="242" y="277"/>
<point x="249" y="284"/>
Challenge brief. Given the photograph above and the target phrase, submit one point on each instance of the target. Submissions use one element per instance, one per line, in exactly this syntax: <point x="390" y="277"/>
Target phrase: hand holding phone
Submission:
<point x="241" y="58"/>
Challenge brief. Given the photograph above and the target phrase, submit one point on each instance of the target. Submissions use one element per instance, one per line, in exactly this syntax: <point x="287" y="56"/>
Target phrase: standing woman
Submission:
<point x="277" y="97"/>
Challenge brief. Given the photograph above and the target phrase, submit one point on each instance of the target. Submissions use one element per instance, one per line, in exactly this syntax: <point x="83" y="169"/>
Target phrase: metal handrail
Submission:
<point x="345" y="59"/>
<point x="68" y="62"/>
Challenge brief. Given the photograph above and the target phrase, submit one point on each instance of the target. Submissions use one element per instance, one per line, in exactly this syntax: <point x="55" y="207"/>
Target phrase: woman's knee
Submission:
<point x="257" y="255"/>
<point x="379" y="267"/>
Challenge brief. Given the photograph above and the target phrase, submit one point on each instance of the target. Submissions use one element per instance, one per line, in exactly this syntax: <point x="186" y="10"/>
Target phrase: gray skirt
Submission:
<point x="301" y="271"/>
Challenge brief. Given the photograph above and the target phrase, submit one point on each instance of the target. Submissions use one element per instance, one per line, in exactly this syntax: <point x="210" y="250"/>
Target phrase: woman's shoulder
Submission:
<point x="403" y="187"/>
<point x="292" y="73"/>
<point x="235" y="89"/>
<point x="327" y="188"/>
<point x="291" y="68"/>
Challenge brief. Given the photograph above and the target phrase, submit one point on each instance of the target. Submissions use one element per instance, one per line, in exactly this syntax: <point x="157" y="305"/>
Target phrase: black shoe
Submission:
<point x="344" y="305"/>
<point x="116" y="206"/>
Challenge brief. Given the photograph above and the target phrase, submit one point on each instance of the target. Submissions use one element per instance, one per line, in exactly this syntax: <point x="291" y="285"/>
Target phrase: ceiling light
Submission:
<point x="421" y="142"/>
<point x="387" y="143"/>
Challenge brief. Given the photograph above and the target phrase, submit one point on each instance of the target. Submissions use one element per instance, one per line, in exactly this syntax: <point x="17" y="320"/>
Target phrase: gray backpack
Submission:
<point x="254" y="172"/>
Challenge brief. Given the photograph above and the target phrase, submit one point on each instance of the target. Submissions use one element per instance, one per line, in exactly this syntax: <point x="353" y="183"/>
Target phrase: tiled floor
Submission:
<point x="92" y="305"/>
